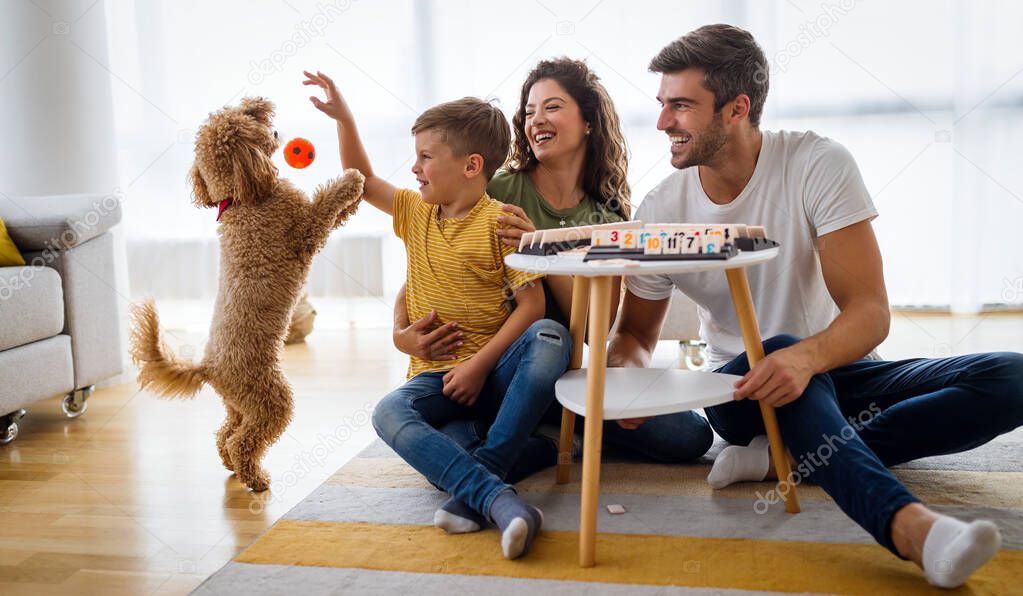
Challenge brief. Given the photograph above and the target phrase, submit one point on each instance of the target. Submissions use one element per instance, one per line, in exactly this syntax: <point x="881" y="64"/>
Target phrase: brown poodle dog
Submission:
<point x="269" y="232"/>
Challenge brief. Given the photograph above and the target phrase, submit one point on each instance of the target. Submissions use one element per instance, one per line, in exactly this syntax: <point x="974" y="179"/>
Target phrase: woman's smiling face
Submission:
<point x="554" y="125"/>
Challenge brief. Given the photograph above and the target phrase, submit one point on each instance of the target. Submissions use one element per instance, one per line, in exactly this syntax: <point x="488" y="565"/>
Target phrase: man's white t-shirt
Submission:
<point x="803" y="186"/>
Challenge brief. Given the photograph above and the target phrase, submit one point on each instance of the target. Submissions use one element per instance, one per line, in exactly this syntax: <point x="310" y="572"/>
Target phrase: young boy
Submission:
<point x="504" y="364"/>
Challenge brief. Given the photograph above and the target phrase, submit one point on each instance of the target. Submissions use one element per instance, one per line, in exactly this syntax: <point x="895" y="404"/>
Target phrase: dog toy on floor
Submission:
<point x="299" y="153"/>
<point x="301" y="321"/>
<point x="269" y="232"/>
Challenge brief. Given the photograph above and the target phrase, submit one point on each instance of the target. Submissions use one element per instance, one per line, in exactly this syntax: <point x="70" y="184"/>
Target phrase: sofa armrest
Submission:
<point x="88" y="278"/>
<point x="58" y="222"/>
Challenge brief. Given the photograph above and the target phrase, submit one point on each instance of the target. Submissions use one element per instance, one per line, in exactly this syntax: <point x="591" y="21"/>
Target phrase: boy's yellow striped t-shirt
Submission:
<point x="456" y="267"/>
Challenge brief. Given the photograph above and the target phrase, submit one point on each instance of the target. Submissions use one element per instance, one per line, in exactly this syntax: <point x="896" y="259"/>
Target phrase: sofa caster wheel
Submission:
<point x="72" y="409"/>
<point x="75" y="404"/>
<point x="9" y="426"/>
<point x="10" y="434"/>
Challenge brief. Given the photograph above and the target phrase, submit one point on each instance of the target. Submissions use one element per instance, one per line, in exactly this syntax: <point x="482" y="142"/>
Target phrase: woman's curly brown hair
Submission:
<point x="604" y="173"/>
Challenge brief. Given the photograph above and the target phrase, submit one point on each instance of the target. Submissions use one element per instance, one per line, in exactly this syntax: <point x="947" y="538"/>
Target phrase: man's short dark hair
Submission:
<point x="732" y="60"/>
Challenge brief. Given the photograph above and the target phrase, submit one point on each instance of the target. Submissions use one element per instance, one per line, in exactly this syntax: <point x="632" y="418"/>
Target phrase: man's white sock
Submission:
<point x="738" y="464"/>
<point x="953" y="550"/>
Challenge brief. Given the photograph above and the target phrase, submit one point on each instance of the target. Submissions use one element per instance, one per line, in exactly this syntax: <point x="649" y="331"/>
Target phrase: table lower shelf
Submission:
<point x="642" y="392"/>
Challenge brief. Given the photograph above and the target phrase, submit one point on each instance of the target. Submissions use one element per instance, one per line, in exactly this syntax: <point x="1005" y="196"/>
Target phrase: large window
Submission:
<point x="926" y="95"/>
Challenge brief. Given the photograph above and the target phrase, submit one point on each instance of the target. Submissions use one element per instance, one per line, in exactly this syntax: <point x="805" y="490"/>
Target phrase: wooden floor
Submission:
<point x="131" y="498"/>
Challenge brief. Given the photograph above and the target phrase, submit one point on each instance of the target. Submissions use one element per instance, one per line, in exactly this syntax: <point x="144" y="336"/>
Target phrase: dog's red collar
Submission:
<point x="223" y="207"/>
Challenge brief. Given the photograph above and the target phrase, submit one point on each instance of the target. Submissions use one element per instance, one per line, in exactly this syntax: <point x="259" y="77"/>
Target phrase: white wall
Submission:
<point x="57" y="111"/>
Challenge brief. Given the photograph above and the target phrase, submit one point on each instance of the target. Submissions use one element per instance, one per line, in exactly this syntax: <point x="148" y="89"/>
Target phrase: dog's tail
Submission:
<point x="159" y="368"/>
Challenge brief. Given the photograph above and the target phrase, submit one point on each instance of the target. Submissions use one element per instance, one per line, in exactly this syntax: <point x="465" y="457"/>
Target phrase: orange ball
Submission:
<point x="299" y="153"/>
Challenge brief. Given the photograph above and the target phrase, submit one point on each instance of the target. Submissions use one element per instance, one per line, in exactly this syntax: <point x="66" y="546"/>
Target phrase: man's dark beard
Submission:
<point x="706" y="144"/>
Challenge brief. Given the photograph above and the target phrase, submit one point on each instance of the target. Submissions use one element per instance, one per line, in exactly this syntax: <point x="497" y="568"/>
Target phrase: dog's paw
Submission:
<point x="225" y="458"/>
<point x="258" y="483"/>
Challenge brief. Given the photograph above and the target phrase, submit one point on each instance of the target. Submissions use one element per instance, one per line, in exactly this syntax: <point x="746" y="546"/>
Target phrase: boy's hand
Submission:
<point x="417" y="340"/>
<point x="335" y="106"/>
<point x="464" y="382"/>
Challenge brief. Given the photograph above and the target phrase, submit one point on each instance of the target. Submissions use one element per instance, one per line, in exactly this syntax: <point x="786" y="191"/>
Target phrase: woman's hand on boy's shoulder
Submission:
<point x="335" y="105"/>
<point x="516" y="224"/>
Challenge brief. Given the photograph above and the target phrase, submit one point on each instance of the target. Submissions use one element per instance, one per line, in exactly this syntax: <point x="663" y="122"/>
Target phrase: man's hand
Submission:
<point x="464" y="382"/>
<point x="335" y="106"/>
<point x="439" y="344"/>
<point x="778" y="379"/>
<point x="632" y="423"/>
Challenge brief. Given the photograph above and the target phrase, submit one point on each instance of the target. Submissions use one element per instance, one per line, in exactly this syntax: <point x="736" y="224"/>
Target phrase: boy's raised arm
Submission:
<point x="377" y="191"/>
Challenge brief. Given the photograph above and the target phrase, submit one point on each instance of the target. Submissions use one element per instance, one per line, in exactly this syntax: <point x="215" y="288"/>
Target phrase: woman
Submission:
<point x="567" y="168"/>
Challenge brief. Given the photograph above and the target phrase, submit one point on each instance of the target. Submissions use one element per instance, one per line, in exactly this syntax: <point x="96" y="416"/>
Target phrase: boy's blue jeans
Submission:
<point x="855" y="421"/>
<point x="515" y="396"/>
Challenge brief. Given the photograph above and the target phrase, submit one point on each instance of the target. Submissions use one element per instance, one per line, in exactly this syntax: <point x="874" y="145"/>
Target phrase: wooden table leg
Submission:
<point x="577" y="329"/>
<point x="738" y="284"/>
<point x="600" y="303"/>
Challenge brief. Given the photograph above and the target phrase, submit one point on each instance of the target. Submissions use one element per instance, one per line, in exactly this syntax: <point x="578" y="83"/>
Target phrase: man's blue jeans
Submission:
<point x="855" y="421"/>
<point x="514" y="397"/>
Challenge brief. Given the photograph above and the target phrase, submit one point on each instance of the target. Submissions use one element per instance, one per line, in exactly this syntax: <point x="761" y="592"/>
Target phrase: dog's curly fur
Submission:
<point x="268" y="237"/>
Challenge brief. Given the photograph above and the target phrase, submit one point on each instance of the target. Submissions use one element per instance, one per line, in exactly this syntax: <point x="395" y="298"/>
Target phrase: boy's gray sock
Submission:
<point x="519" y="522"/>
<point x="455" y="517"/>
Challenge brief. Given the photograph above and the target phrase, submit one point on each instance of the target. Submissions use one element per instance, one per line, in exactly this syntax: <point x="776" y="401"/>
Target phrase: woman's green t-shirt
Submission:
<point x="517" y="189"/>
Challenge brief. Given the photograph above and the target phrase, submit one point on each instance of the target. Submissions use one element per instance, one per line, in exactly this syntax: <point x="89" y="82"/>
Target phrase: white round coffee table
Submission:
<point x="646" y="392"/>
<point x="599" y="393"/>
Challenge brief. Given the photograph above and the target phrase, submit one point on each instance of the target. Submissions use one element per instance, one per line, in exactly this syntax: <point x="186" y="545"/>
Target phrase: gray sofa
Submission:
<point x="58" y="315"/>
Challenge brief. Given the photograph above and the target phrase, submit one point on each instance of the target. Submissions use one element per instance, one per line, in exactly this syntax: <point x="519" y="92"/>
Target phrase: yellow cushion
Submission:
<point x="9" y="254"/>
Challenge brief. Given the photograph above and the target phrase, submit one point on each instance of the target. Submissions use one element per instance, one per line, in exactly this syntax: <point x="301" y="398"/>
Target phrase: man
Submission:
<point x="826" y="286"/>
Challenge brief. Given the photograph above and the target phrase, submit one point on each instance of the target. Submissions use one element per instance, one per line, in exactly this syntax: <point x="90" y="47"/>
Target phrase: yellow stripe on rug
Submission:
<point x="936" y="487"/>
<point x="785" y="566"/>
